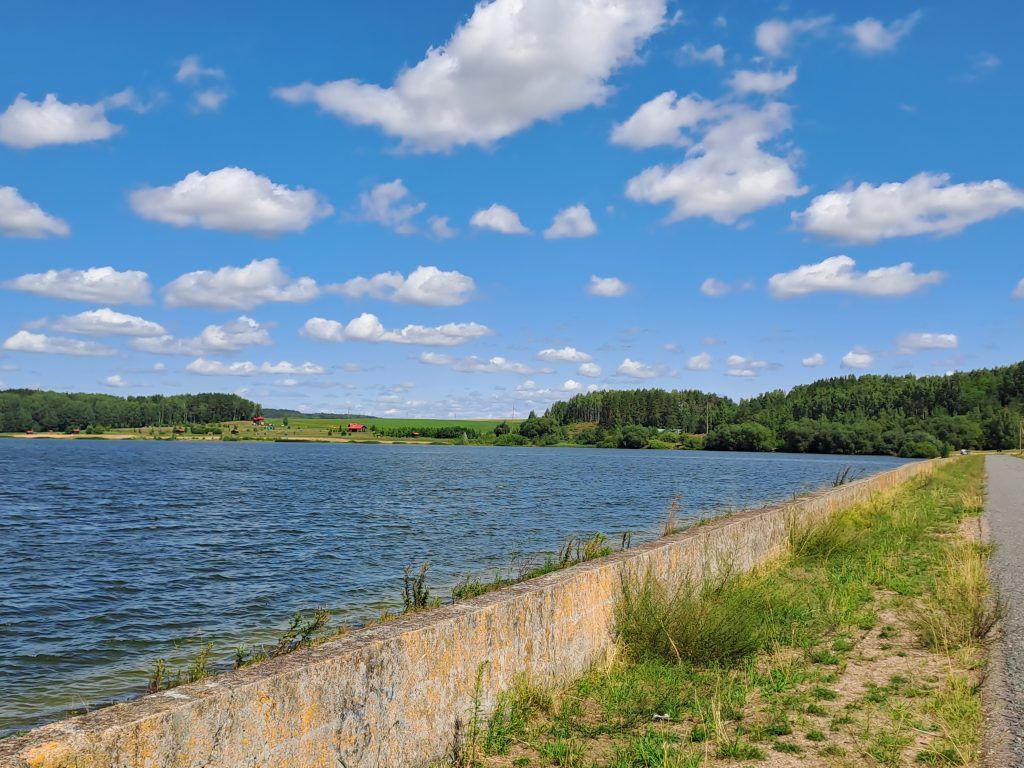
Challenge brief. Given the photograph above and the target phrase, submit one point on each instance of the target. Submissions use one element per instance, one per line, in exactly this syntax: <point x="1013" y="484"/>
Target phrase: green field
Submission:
<point x="480" y="425"/>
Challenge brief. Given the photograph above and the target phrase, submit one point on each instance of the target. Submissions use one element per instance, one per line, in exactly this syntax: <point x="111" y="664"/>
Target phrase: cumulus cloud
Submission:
<point x="209" y="99"/>
<point x="766" y="82"/>
<point x="775" y="36"/>
<point x="574" y="221"/>
<point x="368" y="327"/>
<point x="473" y="364"/>
<point x="205" y="367"/>
<point x="499" y="218"/>
<point x="116" y="381"/>
<point x="858" y="357"/>
<point x="25" y="341"/>
<point x="257" y="282"/>
<point x="634" y="369"/>
<point x="609" y="287"/>
<point x="103" y="285"/>
<point x="872" y="36"/>
<point x="232" y="200"/>
<point x="20" y="218"/>
<point x="727" y="174"/>
<point x="714" y="287"/>
<point x="591" y="370"/>
<point x="28" y="124"/>
<point x="661" y="121"/>
<point x="923" y="204"/>
<point x="839" y="274"/>
<point x="385" y="205"/>
<point x="714" y="54"/>
<point x="227" y="337"/>
<point x="512" y="63"/>
<point x="192" y="69"/>
<point x="813" y="361"/>
<point x="107" y="322"/>
<point x="440" y="227"/>
<point x="564" y="355"/>
<point x="744" y="367"/>
<point x="428" y="286"/>
<point x="700" y="362"/>
<point x="915" y="342"/>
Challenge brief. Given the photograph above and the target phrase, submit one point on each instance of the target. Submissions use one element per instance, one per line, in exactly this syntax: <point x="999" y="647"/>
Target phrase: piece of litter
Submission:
<point x="661" y="717"/>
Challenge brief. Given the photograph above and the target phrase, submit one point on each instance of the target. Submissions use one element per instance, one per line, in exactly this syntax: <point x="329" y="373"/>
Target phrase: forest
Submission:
<point x="890" y="415"/>
<point x="42" y="411"/>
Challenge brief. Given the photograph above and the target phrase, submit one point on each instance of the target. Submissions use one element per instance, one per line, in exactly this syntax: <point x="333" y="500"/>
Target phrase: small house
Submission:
<point x="258" y="421"/>
<point x="355" y="426"/>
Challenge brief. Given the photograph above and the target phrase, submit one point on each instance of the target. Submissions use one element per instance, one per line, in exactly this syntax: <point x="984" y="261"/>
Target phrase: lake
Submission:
<point x="116" y="554"/>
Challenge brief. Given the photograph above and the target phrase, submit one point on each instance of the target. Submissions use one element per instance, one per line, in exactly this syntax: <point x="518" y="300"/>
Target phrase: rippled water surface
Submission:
<point x="115" y="554"/>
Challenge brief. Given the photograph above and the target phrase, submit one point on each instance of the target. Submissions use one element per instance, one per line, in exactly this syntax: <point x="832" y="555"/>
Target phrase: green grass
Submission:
<point x="480" y="425"/>
<point x="741" y="666"/>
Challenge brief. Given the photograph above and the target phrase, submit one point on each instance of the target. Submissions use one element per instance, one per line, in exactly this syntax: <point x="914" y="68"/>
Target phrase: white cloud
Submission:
<point x="839" y="274"/>
<point x="564" y="355"/>
<point x="107" y="322"/>
<point x="209" y="100"/>
<point x="813" y="361"/>
<point x="428" y="286"/>
<point x="775" y="36"/>
<point x="20" y="218"/>
<point x="192" y="69"/>
<point x="28" y="124"/>
<point x="858" y="357"/>
<point x="767" y="82"/>
<point x="924" y="204"/>
<point x="915" y="342"/>
<point x="115" y="381"/>
<point x="727" y="174"/>
<point x="609" y="287"/>
<point x="475" y="364"/>
<point x="440" y="227"/>
<point x="384" y="205"/>
<point x="257" y="282"/>
<point x="500" y="219"/>
<point x="571" y="385"/>
<point x="232" y="200"/>
<point x="744" y="367"/>
<point x="701" y="362"/>
<point x="872" y="36"/>
<point x="661" y="121"/>
<point x="714" y="287"/>
<point x="98" y="284"/>
<point x="1018" y="292"/>
<point x="591" y="370"/>
<point x="24" y="341"/>
<point x="512" y="63"/>
<point x="574" y="221"/>
<point x="227" y="337"/>
<point x="714" y="54"/>
<point x="206" y="367"/>
<point x="367" y="327"/>
<point x="636" y="370"/>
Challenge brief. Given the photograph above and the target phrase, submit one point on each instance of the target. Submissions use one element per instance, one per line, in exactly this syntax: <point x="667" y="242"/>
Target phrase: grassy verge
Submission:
<point x="865" y="647"/>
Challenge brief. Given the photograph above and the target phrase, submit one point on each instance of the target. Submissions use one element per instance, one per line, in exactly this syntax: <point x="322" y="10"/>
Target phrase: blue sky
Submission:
<point x="542" y="197"/>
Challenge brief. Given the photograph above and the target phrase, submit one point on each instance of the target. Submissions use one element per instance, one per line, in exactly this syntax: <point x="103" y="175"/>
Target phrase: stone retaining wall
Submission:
<point x="401" y="693"/>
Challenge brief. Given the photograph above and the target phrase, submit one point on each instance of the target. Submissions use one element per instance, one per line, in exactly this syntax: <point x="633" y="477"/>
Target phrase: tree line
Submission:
<point x="43" y="411"/>
<point x="916" y="416"/>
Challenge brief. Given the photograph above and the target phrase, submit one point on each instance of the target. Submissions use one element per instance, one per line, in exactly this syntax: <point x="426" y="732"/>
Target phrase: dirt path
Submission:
<point x="1004" y="690"/>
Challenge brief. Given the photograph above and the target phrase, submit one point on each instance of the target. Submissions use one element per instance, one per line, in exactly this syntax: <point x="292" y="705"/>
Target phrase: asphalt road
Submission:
<point x="1004" y="516"/>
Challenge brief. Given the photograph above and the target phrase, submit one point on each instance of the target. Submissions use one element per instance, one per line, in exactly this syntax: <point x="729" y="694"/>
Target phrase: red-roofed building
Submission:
<point x="356" y="427"/>
<point x="258" y="420"/>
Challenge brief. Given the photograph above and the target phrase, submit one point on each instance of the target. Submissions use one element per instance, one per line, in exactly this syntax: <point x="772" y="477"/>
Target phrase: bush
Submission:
<point x="632" y="437"/>
<point x="719" y="622"/>
<point x="748" y="436"/>
<point x="511" y="438"/>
